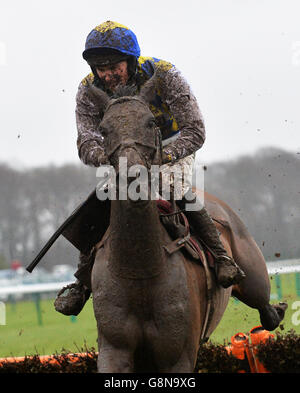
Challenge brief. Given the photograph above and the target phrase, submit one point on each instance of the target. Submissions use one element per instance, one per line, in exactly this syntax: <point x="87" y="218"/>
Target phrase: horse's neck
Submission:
<point x="136" y="240"/>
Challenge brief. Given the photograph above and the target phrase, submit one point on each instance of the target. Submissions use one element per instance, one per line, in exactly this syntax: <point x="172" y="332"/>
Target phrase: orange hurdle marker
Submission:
<point x="246" y="347"/>
<point x="258" y="336"/>
<point x="238" y="347"/>
<point x="72" y="357"/>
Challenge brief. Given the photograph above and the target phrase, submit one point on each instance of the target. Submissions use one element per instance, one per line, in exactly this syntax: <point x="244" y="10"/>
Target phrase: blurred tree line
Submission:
<point x="33" y="204"/>
<point x="263" y="189"/>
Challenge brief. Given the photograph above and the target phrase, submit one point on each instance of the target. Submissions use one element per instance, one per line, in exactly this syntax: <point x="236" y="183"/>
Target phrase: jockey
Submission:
<point x="113" y="53"/>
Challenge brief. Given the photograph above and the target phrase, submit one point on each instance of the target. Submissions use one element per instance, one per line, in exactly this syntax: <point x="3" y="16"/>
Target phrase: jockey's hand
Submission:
<point x="166" y="158"/>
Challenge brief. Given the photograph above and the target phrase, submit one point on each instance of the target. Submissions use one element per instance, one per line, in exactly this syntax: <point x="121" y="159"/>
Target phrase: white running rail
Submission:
<point x="284" y="267"/>
<point x="274" y="267"/>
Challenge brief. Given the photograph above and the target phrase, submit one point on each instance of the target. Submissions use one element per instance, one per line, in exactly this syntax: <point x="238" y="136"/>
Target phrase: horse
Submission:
<point x="154" y="308"/>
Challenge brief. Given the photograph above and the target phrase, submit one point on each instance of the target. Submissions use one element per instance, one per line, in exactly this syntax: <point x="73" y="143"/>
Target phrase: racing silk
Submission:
<point x="175" y="109"/>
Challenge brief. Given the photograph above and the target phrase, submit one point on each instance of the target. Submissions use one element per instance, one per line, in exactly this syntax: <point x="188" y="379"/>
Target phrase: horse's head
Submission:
<point x="128" y="126"/>
<point x="129" y="129"/>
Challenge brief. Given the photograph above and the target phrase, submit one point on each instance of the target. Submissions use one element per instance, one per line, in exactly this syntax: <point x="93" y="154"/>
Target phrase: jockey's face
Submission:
<point x="113" y="75"/>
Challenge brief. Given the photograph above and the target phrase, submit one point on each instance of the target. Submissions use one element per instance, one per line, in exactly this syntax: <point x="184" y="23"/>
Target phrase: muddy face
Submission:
<point x="130" y="137"/>
<point x="113" y="75"/>
<point x="129" y="126"/>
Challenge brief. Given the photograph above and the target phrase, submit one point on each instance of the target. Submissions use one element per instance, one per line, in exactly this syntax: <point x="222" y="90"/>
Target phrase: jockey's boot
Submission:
<point x="71" y="299"/>
<point x="227" y="271"/>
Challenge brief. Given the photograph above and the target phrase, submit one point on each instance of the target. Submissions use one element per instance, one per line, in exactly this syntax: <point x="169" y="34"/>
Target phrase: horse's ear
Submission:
<point x="101" y="97"/>
<point x="148" y="90"/>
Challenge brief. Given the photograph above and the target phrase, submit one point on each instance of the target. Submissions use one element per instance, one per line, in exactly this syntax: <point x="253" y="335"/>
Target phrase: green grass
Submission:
<point x="22" y="334"/>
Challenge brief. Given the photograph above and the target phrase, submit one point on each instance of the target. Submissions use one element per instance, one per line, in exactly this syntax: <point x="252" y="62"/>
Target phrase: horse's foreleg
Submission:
<point x="254" y="290"/>
<point x="114" y="360"/>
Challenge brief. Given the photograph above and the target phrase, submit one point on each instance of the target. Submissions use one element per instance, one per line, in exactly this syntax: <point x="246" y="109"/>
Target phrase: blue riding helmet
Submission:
<point x="111" y="35"/>
<point x="112" y="42"/>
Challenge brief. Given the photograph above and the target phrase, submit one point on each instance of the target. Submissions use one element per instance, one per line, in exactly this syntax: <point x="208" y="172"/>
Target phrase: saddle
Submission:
<point x="177" y="226"/>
